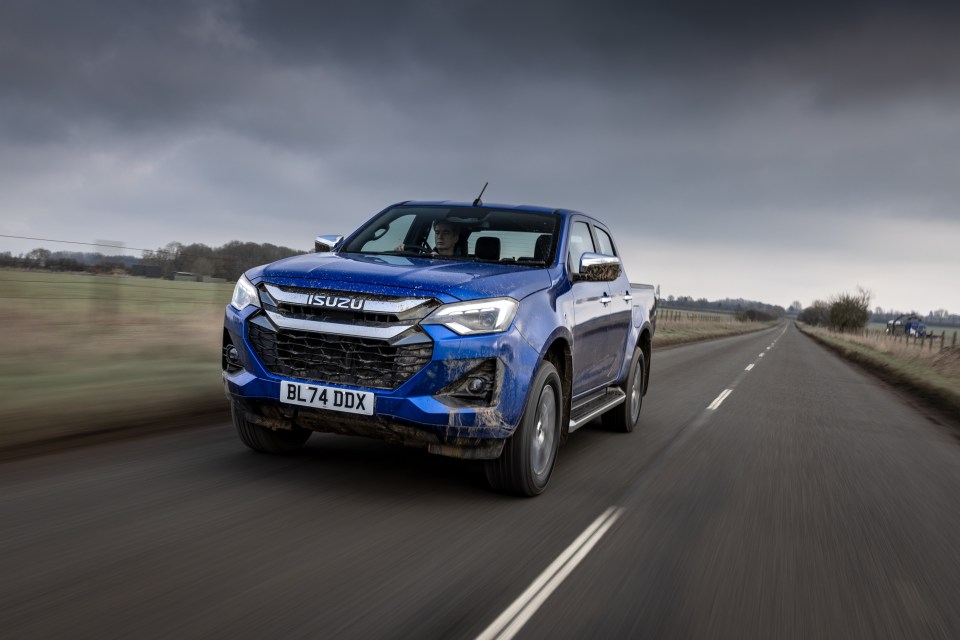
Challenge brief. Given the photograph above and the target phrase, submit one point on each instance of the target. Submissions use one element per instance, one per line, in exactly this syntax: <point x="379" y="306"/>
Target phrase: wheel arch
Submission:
<point x="560" y="356"/>
<point x="645" y="342"/>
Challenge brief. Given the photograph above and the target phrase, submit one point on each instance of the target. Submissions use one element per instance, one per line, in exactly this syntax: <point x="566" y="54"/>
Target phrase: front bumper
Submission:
<point x="413" y="414"/>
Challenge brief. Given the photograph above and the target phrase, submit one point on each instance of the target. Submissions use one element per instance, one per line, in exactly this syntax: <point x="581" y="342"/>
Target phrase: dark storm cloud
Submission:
<point x="700" y="123"/>
<point x="129" y="65"/>
<point x="143" y="64"/>
<point x="849" y="48"/>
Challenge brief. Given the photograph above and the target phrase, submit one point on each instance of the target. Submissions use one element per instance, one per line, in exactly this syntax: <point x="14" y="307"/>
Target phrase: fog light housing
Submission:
<point x="230" y="356"/>
<point x="477" y="386"/>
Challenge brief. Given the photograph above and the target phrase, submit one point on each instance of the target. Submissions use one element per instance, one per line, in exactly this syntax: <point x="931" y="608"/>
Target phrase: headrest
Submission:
<point x="488" y="248"/>
<point x="541" y="250"/>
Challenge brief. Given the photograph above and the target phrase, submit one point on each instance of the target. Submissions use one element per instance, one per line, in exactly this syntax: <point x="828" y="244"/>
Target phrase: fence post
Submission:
<point x="954" y="343"/>
<point x="943" y="337"/>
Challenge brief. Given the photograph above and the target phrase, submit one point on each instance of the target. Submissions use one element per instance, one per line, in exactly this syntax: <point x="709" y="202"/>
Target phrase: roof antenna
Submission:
<point x="478" y="202"/>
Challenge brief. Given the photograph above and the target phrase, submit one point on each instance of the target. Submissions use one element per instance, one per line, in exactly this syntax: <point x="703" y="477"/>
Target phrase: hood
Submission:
<point x="446" y="280"/>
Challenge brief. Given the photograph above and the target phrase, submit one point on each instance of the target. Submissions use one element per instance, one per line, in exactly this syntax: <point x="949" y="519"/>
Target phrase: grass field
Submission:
<point x="88" y="353"/>
<point x="679" y="326"/>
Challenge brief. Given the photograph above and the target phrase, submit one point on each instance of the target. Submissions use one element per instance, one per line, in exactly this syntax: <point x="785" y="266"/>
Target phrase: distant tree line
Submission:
<point x="227" y="261"/>
<point x="940" y="317"/>
<point x="726" y="305"/>
<point x="852" y="311"/>
<point x="754" y="315"/>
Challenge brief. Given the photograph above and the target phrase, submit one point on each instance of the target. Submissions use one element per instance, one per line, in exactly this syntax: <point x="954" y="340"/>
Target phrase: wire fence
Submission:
<point x="943" y="340"/>
<point x="683" y="315"/>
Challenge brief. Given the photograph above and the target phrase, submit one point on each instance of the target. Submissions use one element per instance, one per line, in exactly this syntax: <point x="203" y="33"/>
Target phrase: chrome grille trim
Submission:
<point x="356" y="330"/>
<point x="369" y="305"/>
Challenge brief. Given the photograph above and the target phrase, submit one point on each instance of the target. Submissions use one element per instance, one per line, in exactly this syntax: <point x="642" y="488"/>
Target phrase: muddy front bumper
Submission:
<point x="463" y="403"/>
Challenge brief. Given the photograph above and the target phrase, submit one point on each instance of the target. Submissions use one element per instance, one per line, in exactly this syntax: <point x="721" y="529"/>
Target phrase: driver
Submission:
<point x="446" y="235"/>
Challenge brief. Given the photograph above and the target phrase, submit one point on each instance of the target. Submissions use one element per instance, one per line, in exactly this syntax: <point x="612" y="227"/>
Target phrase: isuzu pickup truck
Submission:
<point x="476" y="331"/>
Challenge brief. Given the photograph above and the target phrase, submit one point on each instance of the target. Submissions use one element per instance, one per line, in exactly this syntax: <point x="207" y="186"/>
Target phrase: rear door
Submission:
<point x="618" y="311"/>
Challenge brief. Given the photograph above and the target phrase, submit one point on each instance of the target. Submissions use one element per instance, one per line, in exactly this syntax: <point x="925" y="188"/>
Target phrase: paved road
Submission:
<point x="810" y="502"/>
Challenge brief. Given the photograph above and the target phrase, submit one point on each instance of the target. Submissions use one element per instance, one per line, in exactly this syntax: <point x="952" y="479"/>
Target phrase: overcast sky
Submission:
<point x="752" y="149"/>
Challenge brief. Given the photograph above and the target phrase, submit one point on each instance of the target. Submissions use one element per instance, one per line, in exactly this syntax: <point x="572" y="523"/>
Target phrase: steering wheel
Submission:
<point x="419" y="248"/>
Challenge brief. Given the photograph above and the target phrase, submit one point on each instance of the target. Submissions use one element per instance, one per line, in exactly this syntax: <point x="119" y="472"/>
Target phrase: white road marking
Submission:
<point x="749" y="366"/>
<point x="768" y="348"/>
<point x="720" y="398"/>
<point x="762" y="354"/>
<point x="517" y="614"/>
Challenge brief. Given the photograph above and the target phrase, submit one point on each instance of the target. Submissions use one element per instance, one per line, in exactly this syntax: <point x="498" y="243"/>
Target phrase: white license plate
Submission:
<point x="314" y="395"/>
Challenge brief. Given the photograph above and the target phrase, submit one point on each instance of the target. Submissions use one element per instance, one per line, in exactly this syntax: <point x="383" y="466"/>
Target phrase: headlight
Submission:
<point x="244" y="295"/>
<point x="493" y="315"/>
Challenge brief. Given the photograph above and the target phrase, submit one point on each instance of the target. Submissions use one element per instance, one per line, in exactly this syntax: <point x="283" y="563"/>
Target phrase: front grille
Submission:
<point x="328" y="315"/>
<point x="347" y="360"/>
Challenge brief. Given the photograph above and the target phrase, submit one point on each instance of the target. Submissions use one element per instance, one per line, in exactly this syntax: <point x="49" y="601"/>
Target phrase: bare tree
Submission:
<point x="850" y="312"/>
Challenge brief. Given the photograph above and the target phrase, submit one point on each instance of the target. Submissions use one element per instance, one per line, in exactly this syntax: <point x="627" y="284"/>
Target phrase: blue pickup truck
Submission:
<point x="476" y="331"/>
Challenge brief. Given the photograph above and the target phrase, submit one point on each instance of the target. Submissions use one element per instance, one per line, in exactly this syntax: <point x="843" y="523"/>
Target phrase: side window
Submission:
<point x="604" y="243"/>
<point x="580" y="243"/>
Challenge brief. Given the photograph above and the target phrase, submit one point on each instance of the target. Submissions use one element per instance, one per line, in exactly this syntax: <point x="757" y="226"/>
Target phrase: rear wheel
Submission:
<point x="528" y="457"/>
<point x="267" y="440"/>
<point x="625" y="416"/>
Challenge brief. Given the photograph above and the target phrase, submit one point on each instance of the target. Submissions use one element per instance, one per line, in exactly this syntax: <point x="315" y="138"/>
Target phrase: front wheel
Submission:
<point x="267" y="440"/>
<point x="625" y="416"/>
<point x="528" y="457"/>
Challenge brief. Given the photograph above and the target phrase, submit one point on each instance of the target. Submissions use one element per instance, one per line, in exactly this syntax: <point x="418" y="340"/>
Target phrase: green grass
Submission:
<point x="668" y="334"/>
<point x="86" y="353"/>
<point x="680" y="326"/>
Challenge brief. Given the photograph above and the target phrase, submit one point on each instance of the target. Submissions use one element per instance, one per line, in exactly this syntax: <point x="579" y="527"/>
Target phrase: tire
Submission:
<point x="529" y="455"/>
<point x="625" y="416"/>
<point x="267" y="440"/>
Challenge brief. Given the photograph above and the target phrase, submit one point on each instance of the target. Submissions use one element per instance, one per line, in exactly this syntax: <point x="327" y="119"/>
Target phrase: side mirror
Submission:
<point x="595" y="267"/>
<point x="322" y="244"/>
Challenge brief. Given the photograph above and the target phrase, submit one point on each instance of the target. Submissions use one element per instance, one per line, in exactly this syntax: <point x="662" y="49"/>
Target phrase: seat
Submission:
<point x="488" y="248"/>
<point x="541" y="250"/>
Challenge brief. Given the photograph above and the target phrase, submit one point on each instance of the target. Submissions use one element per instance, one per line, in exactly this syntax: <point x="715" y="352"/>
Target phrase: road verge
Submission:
<point x="933" y="383"/>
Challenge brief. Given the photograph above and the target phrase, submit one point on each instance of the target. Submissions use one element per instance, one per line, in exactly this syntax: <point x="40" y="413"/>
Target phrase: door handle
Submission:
<point x="605" y="299"/>
<point x="628" y="297"/>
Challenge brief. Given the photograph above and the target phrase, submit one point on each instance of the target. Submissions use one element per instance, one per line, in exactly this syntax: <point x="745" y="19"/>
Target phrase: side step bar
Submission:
<point x="589" y="408"/>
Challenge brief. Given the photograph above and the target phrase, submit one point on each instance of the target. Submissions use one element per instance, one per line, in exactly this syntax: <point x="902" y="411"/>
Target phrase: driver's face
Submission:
<point x="446" y="238"/>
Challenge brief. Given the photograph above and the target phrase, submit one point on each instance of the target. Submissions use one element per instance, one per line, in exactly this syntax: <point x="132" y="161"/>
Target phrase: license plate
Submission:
<point x="313" y="395"/>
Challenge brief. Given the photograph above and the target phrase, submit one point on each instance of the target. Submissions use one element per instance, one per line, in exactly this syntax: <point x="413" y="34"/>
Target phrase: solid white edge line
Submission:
<point x="749" y="366"/>
<point x="519" y="612"/>
<point x="719" y="400"/>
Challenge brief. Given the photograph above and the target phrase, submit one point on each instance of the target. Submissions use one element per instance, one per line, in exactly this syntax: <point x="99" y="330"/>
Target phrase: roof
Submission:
<point x="487" y="205"/>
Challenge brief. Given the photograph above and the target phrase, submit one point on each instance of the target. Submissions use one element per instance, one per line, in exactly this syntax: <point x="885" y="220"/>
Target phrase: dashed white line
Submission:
<point x="720" y="398"/>
<point x="749" y="366"/>
<point x="517" y="614"/>
<point x="762" y="354"/>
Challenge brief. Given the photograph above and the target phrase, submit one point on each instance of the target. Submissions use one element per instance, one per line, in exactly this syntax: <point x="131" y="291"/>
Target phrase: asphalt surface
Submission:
<point x="812" y="502"/>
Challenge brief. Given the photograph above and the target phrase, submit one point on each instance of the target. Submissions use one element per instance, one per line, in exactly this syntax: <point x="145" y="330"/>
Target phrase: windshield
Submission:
<point x="461" y="233"/>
